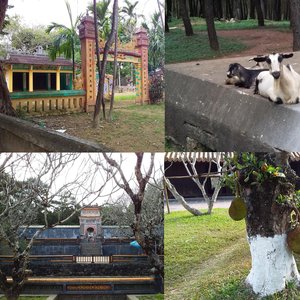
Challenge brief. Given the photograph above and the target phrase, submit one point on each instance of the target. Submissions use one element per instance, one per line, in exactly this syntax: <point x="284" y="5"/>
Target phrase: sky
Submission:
<point x="84" y="167"/>
<point x="43" y="12"/>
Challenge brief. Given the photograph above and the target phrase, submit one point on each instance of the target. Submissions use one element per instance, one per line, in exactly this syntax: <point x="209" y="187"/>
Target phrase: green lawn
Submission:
<point x="200" y="24"/>
<point x="181" y="48"/>
<point x="208" y="258"/>
<point x="124" y="96"/>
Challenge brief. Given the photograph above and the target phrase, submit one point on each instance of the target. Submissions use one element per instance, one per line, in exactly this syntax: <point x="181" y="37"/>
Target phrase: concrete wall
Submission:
<point x="58" y="232"/>
<point x="76" y="269"/>
<point x="21" y="136"/>
<point x="119" y="249"/>
<point x="201" y="110"/>
<point x="65" y="248"/>
<point x="55" y="248"/>
<point x="73" y="232"/>
<point x="66" y="241"/>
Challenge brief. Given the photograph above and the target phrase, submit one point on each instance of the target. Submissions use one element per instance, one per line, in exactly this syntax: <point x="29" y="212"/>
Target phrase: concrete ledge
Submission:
<point x="21" y="136"/>
<point x="202" y="110"/>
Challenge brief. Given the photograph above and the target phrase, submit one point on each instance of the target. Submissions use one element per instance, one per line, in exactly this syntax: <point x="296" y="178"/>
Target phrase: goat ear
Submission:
<point x="287" y="55"/>
<point x="260" y="58"/>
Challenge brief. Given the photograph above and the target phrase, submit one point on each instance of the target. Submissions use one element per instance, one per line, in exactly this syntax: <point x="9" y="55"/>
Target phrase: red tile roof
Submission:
<point x="36" y="60"/>
<point x="207" y="156"/>
<point x="198" y="156"/>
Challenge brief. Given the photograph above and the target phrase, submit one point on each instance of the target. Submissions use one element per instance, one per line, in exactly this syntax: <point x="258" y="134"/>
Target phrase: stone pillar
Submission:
<point x="10" y="78"/>
<point x="88" y="72"/>
<point x="31" y="79"/>
<point x="142" y="44"/>
<point x="58" y="79"/>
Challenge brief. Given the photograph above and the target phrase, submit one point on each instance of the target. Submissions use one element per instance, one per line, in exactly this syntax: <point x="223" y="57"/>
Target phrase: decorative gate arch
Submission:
<point x="135" y="52"/>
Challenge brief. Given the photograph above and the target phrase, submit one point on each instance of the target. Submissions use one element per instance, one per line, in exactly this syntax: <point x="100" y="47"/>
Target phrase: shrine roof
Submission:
<point x="207" y="156"/>
<point x="35" y="60"/>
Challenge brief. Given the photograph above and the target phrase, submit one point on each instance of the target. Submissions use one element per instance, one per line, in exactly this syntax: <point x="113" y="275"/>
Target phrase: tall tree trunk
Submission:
<point x="112" y="98"/>
<point x="277" y="11"/>
<point x="100" y="89"/>
<point x="5" y="100"/>
<point x="185" y="18"/>
<point x="73" y="60"/>
<point x="295" y="22"/>
<point x="224" y="9"/>
<point x="219" y="12"/>
<point x="167" y="29"/>
<point x="252" y="9"/>
<point x="168" y="14"/>
<point x="268" y="222"/>
<point x="209" y="17"/>
<point x="108" y="44"/>
<point x="260" y="16"/>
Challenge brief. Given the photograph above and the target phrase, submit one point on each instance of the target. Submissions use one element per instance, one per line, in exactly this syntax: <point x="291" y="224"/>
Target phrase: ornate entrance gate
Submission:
<point x="135" y="52"/>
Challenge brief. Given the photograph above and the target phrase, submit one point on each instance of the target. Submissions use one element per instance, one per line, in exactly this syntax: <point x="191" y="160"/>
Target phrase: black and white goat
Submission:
<point x="281" y="84"/>
<point x="240" y="76"/>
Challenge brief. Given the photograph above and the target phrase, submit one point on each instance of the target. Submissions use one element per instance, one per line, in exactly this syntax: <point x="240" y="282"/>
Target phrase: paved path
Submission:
<point x="200" y="204"/>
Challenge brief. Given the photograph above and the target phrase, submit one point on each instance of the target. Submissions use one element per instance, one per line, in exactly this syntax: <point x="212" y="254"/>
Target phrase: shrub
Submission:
<point x="156" y="88"/>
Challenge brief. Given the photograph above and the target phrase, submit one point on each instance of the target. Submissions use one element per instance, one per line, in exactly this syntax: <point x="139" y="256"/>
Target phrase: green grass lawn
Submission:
<point x="199" y="24"/>
<point x="208" y="258"/>
<point x="124" y="96"/>
<point x="181" y="48"/>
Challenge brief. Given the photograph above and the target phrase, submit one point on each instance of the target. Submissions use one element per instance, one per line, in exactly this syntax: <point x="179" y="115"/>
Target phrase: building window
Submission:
<point x="40" y="81"/>
<point x="20" y="81"/>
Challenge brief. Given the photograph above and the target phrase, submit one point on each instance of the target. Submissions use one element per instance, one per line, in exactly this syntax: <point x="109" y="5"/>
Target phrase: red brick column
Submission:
<point x="142" y="44"/>
<point x="87" y="39"/>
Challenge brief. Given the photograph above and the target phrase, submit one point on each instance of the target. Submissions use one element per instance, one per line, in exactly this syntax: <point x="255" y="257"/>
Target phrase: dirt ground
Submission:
<point x="134" y="127"/>
<point x="260" y="41"/>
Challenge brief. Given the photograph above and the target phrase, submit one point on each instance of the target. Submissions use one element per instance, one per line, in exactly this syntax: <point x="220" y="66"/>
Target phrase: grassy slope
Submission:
<point x="200" y="24"/>
<point x="207" y="258"/>
<point x="180" y="48"/>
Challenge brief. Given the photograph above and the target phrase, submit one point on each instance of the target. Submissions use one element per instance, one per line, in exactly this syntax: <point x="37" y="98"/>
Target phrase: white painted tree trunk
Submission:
<point x="273" y="264"/>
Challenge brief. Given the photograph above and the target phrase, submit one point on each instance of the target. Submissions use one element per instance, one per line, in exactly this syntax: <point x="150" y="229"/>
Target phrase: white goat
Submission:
<point x="281" y="84"/>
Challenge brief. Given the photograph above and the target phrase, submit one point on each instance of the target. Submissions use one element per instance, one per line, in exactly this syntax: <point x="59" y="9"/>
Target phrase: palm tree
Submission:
<point x="103" y="17"/>
<point x="130" y="17"/>
<point x="156" y="41"/>
<point x="129" y="9"/>
<point x="66" y="40"/>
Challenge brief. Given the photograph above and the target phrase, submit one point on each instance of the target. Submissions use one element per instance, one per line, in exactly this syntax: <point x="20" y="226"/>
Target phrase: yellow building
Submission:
<point x="38" y="84"/>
